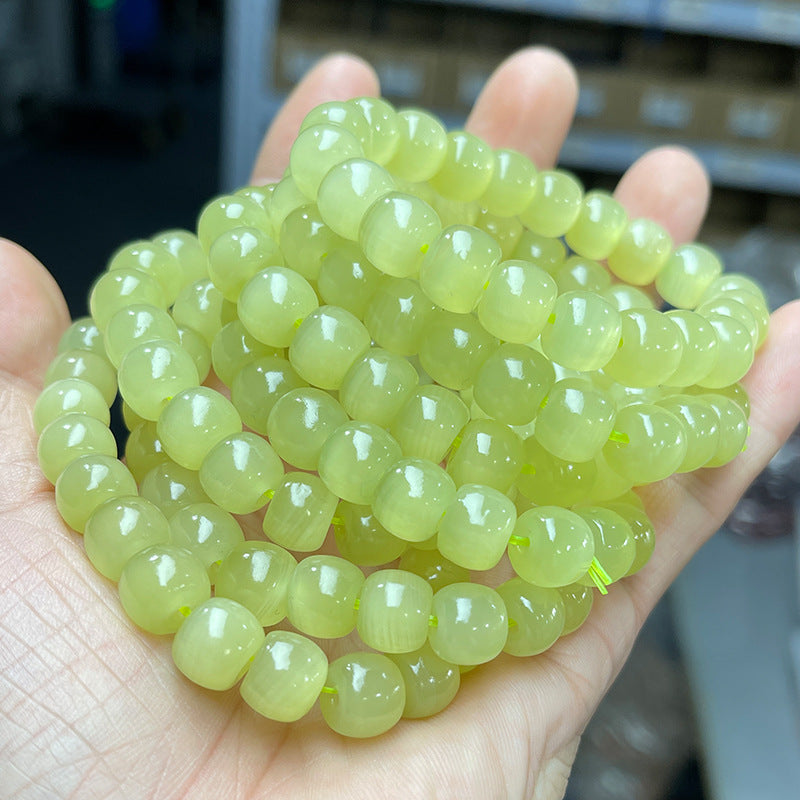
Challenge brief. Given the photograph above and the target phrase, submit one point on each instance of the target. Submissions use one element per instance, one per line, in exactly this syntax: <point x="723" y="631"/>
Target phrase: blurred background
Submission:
<point x="119" y="118"/>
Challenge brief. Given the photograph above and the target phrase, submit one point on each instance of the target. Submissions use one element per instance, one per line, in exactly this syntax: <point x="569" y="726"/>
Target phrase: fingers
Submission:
<point x="33" y="314"/>
<point x="668" y="185"/>
<point x="528" y="105"/>
<point x="336" y="77"/>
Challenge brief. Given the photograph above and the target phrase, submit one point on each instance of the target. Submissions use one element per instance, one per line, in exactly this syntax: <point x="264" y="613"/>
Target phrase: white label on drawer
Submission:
<point x="691" y="13"/>
<point x="591" y="102"/>
<point x="665" y="109"/>
<point x="399" y="79"/>
<point x="752" y="120"/>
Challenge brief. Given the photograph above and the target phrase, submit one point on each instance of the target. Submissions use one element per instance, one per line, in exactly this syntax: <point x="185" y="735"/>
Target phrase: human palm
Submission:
<point x="92" y="707"/>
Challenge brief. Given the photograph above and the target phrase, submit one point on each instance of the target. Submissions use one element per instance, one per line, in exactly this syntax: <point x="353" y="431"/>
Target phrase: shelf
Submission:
<point x="736" y="609"/>
<point x="777" y="22"/>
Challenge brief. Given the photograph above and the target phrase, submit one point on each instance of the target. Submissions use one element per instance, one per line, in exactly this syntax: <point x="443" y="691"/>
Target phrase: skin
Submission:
<point x="91" y="707"/>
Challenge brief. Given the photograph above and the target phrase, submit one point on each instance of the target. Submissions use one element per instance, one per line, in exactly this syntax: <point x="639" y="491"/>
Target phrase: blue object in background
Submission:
<point x="138" y="24"/>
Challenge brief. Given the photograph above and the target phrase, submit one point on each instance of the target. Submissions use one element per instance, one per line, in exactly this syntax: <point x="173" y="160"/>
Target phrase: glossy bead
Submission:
<point x="228" y="211"/>
<point x="238" y="254"/>
<point x="614" y="545"/>
<point x="233" y="348"/>
<point x="256" y="574"/>
<point x="535" y="617"/>
<point x="431" y="683"/>
<point x="360" y="538"/>
<point x="215" y="645"/>
<point x="687" y="273"/>
<point x="382" y="127"/>
<point x="542" y="251"/>
<point x="300" y="513"/>
<point x="365" y="696"/>
<point x="548" y="480"/>
<point x="306" y="240"/>
<point x="421" y="146"/>
<point x="354" y="458"/>
<point x="135" y="325"/>
<point x="124" y="287"/>
<point x="172" y="487"/>
<point x="322" y="595"/>
<point x="489" y="453"/>
<point x="431" y="565"/>
<point x="640" y="253"/>
<point x="644" y="535"/>
<point x="471" y="623"/>
<point x="393" y="611"/>
<point x="397" y="314"/>
<point x="555" y="204"/>
<point x="316" y="150"/>
<point x="700" y="347"/>
<point x="733" y="428"/>
<point x="347" y="279"/>
<point x="69" y="437"/>
<point x="411" y="498"/>
<point x="581" y="274"/>
<point x="474" y="529"/>
<point x="300" y="423"/>
<point x="86" y="366"/>
<point x="578" y="600"/>
<point x="736" y="352"/>
<point x="467" y="168"/>
<point x="286" y="677"/>
<point x="599" y="226"/>
<point x="701" y="426"/>
<point x="511" y="188"/>
<point x="69" y="396"/>
<point x="201" y="307"/>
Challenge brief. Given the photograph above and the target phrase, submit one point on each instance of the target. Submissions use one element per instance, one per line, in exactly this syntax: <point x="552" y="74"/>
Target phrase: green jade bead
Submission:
<point x="364" y="695"/>
<point x="733" y="429"/>
<point x="453" y="348"/>
<point x="456" y="267"/>
<point x="87" y="482"/>
<point x="233" y="348"/>
<point x="347" y="191"/>
<point x="431" y="683"/>
<point x="551" y="546"/>
<point x="728" y="306"/>
<point x="756" y="305"/>
<point x="206" y="531"/>
<point x="582" y="332"/>
<point x="119" y="529"/>
<point x="339" y="112"/>
<point x="489" y="453"/>
<point x="273" y="303"/>
<point x="300" y="513"/>
<point x="306" y="241"/>
<point x="186" y="247"/>
<point x="733" y="282"/>
<point x="581" y="274"/>
<point x="614" y="545"/>
<point x="86" y="366"/>
<point x="193" y="422"/>
<point x="160" y="585"/>
<point x="470" y="623"/>
<point x="467" y="169"/>
<point x="396" y="232"/>
<point x="397" y="315"/>
<point x="701" y="426"/>
<point x="624" y="297"/>
<point x="152" y="373"/>
<point x="172" y="487"/>
<point x="286" y="677"/>
<point x="285" y="198"/>
<point x="549" y="254"/>
<point x="116" y="290"/>
<point x="377" y="386"/>
<point x="348" y="280"/>
<point x="641" y="252"/>
<point x="687" y="274"/>
<point x="393" y="611"/>
<point x="354" y="458"/>
<point x="536" y="617"/>
<point x="431" y="565"/>
<point x="257" y="574"/>
<point x="512" y="383"/>
<point x="644" y="534"/>
<point x="411" y="497"/>
<point x="135" y="325"/>
<point x="474" y="529"/>
<point x="599" y="226"/>
<point x="318" y="149"/>
<point x="700" y="347"/>
<point x="238" y="254"/>
<point x="548" y="480"/>
<point x="383" y="133"/>
<point x="321" y="600"/>
<point x="555" y="204"/>
<point x="82" y="334"/>
<point x="578" y="601"/>
<point x="648" y="444"/>
<point x="429" y="422"/>
<point x="215" y="645"/>
<point x="510" y="189"/>
<point x="69" y="396"/>
<point x="202" y="307"/>
<point x="197" y="348"/>
<point x="576" y="420"/>
<point x="506" y="231"/>
<point x="736" y="352"/>
<point x="259" y="385"/>
<point x="361" y="539"/>
<point x="608" y="484"/>
<point x="517" y="301"/>
<point x="327" y="343"/>
<point x="229" y="211"/>
<point x="300" y="423"/>
<point x="650" y="351"/>
<point x="421" y="146"/>
<point x="240" y="473"/>
<point x="69" y="437"/>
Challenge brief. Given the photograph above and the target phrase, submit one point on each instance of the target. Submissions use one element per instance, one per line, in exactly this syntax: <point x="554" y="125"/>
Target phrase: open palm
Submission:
<point x="90" y="707"/>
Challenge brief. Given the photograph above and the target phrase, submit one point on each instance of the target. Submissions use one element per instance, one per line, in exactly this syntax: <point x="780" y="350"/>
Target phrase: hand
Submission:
<point x="92" y="707"/>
